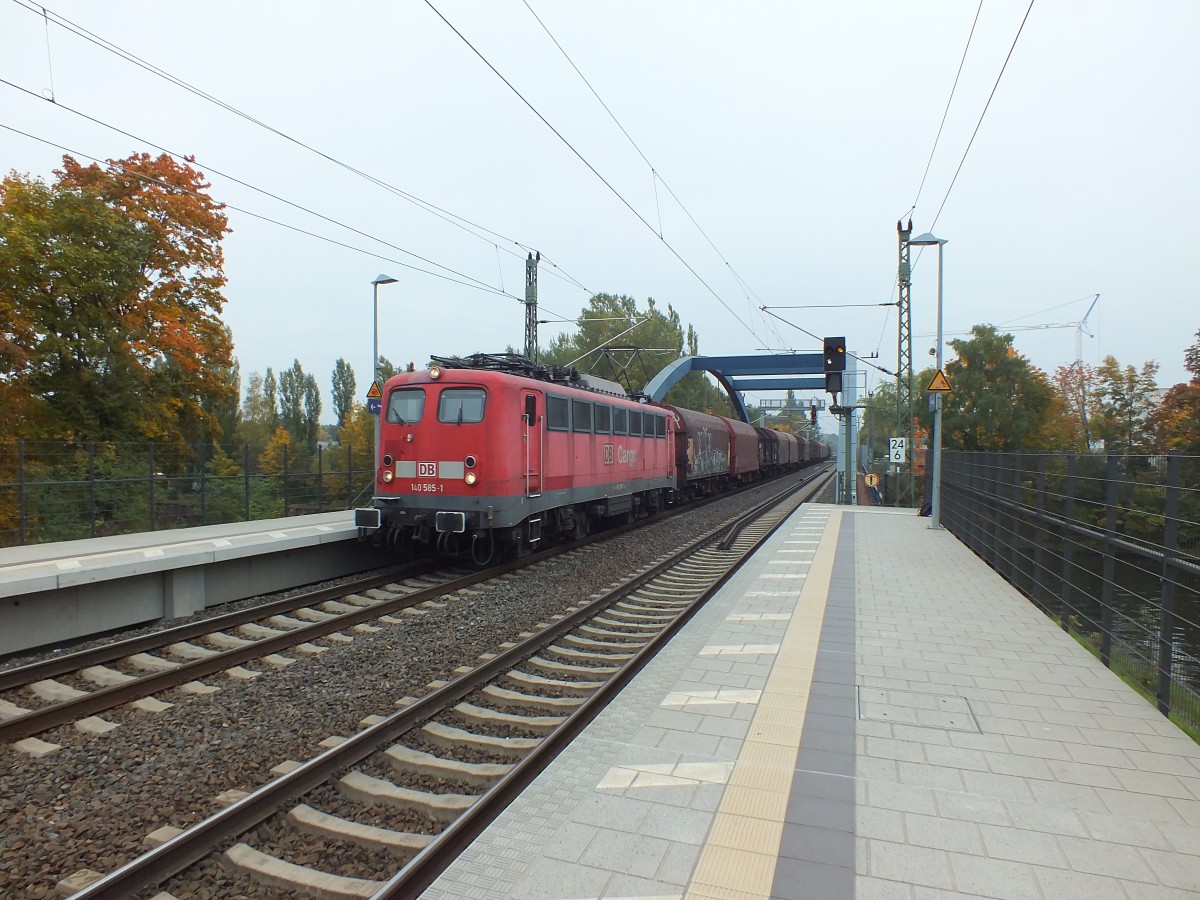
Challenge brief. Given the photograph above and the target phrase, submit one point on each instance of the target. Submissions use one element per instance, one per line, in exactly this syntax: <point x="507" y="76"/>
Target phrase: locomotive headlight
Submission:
<point x="435" y="372"/>
<point x="388" y="475"/>
<point x="470" y="478"/>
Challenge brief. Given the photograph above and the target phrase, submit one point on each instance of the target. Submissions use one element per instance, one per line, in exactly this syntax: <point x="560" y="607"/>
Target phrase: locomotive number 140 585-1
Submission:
<point x="426" y="487"/>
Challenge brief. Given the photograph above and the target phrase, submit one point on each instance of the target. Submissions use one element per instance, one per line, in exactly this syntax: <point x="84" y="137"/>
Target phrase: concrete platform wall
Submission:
<point x="53" y="601"/>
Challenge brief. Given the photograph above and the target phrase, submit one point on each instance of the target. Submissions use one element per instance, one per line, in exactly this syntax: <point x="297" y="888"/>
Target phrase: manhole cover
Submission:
<point x="911" y="708"/>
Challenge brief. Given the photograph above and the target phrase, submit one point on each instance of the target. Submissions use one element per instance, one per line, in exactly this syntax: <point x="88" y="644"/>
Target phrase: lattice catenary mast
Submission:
<point x="904" y="373"/>
<point x="531" y="314"/>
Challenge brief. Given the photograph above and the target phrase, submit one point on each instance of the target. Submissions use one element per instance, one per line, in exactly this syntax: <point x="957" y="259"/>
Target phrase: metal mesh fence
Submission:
<point x="57" y="491"/>
<point x="1107" y="545"/>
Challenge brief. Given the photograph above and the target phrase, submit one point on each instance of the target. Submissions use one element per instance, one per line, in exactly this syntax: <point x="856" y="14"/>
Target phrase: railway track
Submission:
<point x="407" y="793"/>
<point x="132" y="671"/>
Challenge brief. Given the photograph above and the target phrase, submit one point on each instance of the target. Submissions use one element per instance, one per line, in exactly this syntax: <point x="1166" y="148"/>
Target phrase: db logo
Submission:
<point x="427" y="470"/>
<point x="608" y="454"/>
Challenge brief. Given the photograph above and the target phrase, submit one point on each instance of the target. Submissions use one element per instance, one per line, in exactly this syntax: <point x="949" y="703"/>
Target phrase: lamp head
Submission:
<point x="383" y="279"/>
<point x="926" y="240"/>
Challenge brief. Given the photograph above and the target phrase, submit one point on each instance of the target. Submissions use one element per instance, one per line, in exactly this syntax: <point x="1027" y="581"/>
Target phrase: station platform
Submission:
<point x="56" y="592"/>
<point x="866" y="710"/>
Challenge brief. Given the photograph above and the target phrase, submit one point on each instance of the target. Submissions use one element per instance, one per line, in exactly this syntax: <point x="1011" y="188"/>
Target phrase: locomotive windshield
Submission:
<point x="459" y="406"/>
<point x="405" y="407"/>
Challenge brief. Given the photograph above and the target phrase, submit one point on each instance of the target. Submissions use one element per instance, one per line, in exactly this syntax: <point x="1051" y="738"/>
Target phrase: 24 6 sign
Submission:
<point x="897" y="449"/>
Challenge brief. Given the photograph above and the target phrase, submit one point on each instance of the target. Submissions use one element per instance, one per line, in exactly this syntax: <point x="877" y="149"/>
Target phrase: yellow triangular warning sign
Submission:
<point x="939" y="384"/>
<point x="374" y="393"/>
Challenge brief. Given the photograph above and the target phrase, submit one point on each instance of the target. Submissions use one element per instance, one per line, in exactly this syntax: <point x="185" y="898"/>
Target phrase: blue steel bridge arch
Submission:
<point x="767" y="372"/>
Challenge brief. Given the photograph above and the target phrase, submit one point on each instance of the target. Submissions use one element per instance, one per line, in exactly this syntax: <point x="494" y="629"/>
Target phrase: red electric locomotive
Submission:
<point x="480" y="456"/>
<point x="493" y="454"/>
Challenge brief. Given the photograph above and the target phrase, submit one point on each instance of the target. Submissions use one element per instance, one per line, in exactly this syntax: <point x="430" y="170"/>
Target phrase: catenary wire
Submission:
<point x="479" y="286"/>
<point x="593" y="169"/>
<point x="655" y="174"/>
<point x="1028" y="10"/>
<point x="178" y="156"/>
<point x="946" y="112"/>
<point x="801" y="328"/>
<point x="453" y="219"/>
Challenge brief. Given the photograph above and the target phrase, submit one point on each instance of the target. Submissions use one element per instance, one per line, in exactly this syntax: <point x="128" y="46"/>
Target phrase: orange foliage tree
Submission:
<point x="114" y="302"/>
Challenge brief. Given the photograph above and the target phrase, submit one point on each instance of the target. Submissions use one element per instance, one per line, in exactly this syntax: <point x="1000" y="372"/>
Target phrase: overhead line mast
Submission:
<point x="531" y="307"/>
<point x="904" y="373"/>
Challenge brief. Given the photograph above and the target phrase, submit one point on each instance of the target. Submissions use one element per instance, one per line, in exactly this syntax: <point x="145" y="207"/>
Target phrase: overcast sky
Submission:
<point x="795" y="133"/>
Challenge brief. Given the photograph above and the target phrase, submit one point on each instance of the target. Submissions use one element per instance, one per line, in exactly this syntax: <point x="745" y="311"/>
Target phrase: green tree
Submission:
<point x="999" y="400"/>
<point x="257" y="418"/>
<point x="69" y="261"/>
<point x="618" y="341"/>
<point x="343" y="390"/>
<point x="1126" y="399"/>
<point x="270" y="391"/>
<point x="879" y="418"/>
<point x="225" y="409"/>
<point x="300" y="405"/>
<point x="387" y="369"/>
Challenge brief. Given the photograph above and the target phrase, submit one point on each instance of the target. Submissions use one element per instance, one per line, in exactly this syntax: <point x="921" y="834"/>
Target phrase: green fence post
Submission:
<point x="1112" y="475"/>
<point x="152" y="487"/>
<point x="1166" y="627"/>
<point x="92" y="487"/>
<point x="246" y="476"/>
<point x="21" y="486"/>
<point x="1068" y="546"/>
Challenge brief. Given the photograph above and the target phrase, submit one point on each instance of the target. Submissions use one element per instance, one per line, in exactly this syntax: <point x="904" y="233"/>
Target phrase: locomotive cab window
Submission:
<point x="581" y="415"/>
<point x="558" y="413"/>
<point x="405" y="407"/>
<point x="635" y="423"/>
<point x="461" y="406"/>
<point x="620" y="421"/>
<point x="603" y="419"/>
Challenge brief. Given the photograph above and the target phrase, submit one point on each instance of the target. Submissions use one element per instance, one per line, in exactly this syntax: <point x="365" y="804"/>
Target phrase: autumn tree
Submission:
<point x="1126" y="399"/>
<point x="1078" y="388"/>
<point x="343" y="390"/>
<point x="999" y="400"/>
<point x="112" y="299"/>
<point x="1175" y="424"/>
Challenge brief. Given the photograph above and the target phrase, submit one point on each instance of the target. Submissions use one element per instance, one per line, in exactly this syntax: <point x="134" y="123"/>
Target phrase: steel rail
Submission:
<point x="424" y="868"/>
<point x="73" y="662"/>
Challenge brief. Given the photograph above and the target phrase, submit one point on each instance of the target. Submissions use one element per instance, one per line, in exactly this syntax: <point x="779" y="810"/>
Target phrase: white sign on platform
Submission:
<point x="897" y="449"/>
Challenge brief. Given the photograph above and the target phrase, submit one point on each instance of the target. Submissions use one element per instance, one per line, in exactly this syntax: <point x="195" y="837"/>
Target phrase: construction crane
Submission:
<point x="1080" y="330"/>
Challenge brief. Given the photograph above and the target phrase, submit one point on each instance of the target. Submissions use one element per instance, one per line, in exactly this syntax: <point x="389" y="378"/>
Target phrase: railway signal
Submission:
<point x="835" y="363"/>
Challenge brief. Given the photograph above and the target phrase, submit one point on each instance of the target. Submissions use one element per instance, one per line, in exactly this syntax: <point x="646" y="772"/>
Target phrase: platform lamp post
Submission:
<point x="375" y="283"/>
<point x="935" y="515"/>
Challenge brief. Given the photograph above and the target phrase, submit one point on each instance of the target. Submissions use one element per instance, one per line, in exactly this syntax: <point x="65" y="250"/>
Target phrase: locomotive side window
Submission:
<point x="635" y="423"/>
<point x="405" y="407"/>
<point x="660" y="427"/>
<point x="603" y="419"/>
<point x="620" y="421"/>
<point x="581" y="415"/>
<point x="461" y="406"/>
<point x="558" y="413"/>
